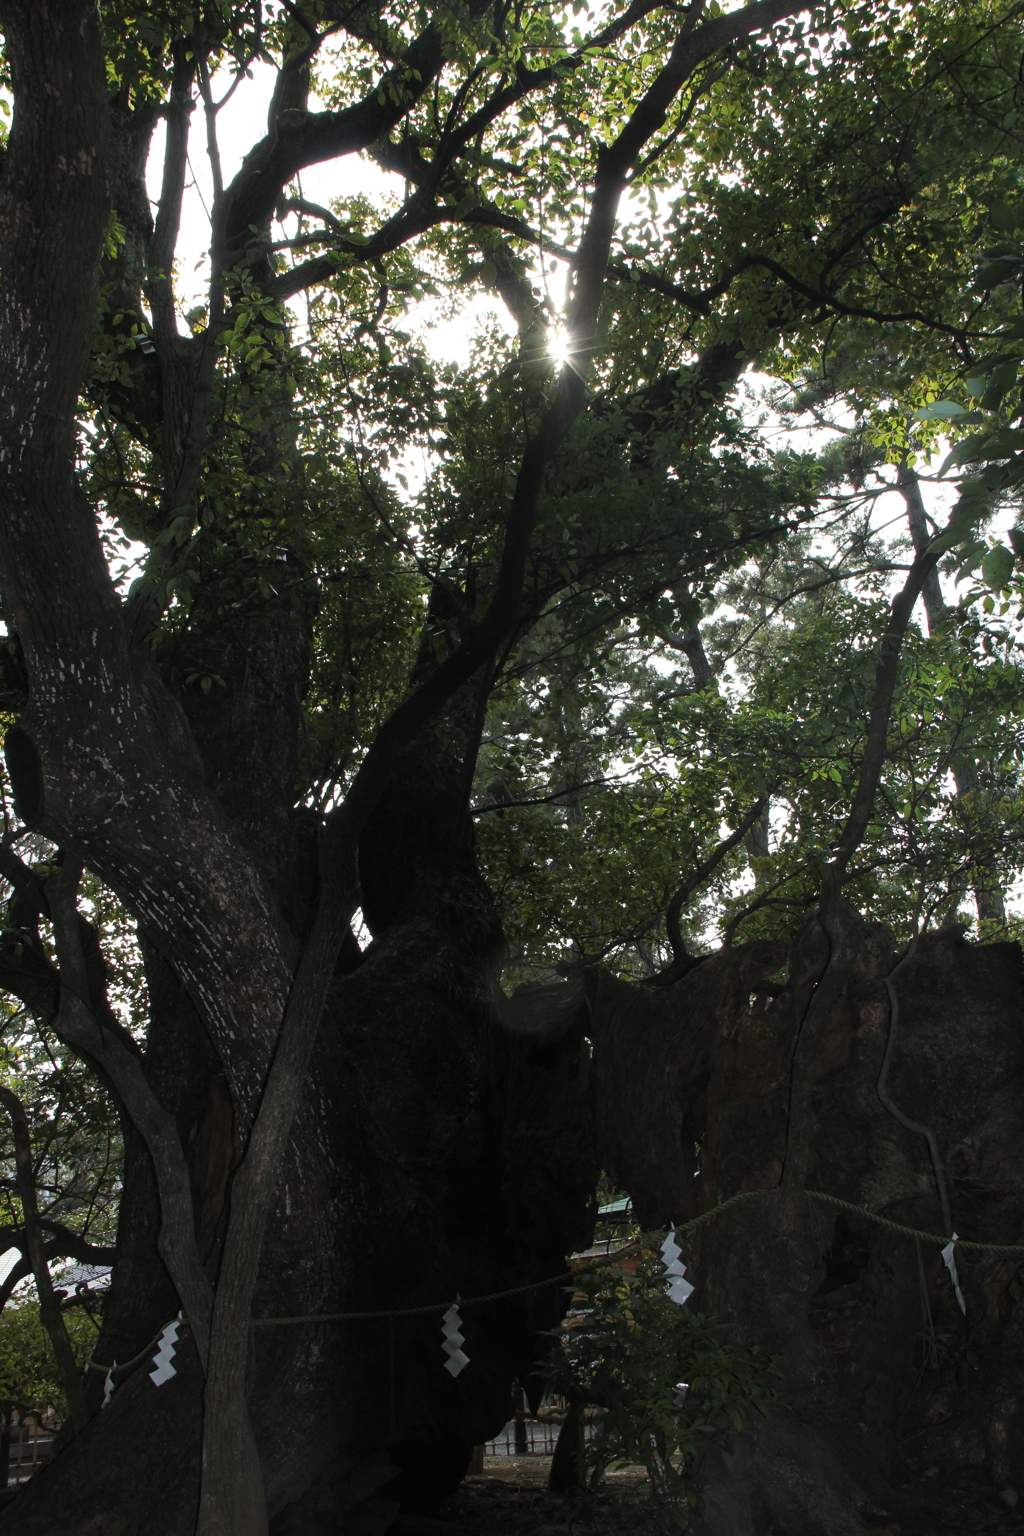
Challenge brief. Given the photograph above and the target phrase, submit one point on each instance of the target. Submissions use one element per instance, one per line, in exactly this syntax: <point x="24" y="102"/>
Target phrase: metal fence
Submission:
<point x="28" y="1446"/>
<point x="527" y="1436"/>
<point x="524" y="1437"/>
<point x="30" y="1443"/>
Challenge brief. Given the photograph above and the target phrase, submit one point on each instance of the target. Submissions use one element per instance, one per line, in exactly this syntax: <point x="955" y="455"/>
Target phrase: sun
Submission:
<point x="559" y="348"/>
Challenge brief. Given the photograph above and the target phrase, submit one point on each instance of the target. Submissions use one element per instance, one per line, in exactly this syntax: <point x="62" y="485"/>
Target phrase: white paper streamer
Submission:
<point x="163" y="1360"/>
<point x="679" y="1288"/>
<point x="108" y="1385"/>
<point x="950" y="1263"/>
<point x="451" y="1328"/>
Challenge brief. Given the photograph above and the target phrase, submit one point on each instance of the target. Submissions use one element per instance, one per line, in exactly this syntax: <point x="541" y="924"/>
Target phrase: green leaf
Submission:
<point x="997" y="567"/>
<point x="942" y="410"/>
<point x="1004" y="217"/>
<point x="973" y="556"/>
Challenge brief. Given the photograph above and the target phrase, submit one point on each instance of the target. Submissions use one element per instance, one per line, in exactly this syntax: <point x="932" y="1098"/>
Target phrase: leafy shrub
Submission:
<point x="666" y="1382"/>
<point x="28" y="1370"/>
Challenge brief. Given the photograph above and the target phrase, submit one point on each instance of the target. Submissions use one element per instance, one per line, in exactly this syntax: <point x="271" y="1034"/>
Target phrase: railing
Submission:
<point x="527" y="1436"/>
<point x="524" y="1437"/>
<point x="29" y="1446"/>
<point x="31" y="1442"/>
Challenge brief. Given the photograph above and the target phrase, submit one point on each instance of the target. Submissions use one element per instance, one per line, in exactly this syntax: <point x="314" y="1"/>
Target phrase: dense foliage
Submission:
<point x="667" y="1384"/>
<point x="852" y="168"/>
<point x="28" y="1374"/>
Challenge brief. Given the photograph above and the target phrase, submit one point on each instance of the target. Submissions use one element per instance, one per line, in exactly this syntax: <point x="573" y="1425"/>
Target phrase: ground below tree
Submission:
<point x="510" y="1498"/>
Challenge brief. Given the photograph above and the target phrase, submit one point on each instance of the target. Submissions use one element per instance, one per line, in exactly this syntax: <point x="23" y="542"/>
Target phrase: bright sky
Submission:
<point x="240" y="124"/>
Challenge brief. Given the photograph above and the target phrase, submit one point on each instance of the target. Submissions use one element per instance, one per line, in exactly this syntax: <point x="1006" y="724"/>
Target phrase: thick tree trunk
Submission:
<point x="448" y="1143"/>
<point x="835" y="1296"/>
<point x="411" y="1177"/>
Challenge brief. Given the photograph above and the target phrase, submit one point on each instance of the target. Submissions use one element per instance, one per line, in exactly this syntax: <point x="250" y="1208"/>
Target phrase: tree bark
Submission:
<point x="835" y="1296"/>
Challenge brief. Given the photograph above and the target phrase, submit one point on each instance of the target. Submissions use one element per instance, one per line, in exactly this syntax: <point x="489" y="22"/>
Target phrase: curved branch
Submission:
<point x="68" y="1244"/>
<point x="558" y="794"/>
<point x="72" y="1245"/>
<point x="299" y="138"/>
<point x="700" y="300"/>
<point x="693" y="47"/>
<point x="80" y="1028"/>
<point x="835" y="976"/>
<point x="682" y="961"/>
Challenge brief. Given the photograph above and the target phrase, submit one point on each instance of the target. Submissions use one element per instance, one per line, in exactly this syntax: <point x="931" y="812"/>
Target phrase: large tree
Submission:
<point x="280" y="723"/>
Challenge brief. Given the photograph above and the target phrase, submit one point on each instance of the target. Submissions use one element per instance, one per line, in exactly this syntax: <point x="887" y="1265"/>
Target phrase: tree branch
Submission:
<point x="80" y="1028"/>
<point x="701" y="300"/>
<point x="49" y="1308"/>
<point x="73" y="1245"/>
<point x="85" y="1253"/>
<point x="559" y="794"/>
<point x="160" y="285"/>
<point x="419" y="213"/>
<point x="909" y="485"/>
<point x="682" y="960"/>
<point x="835" y="977"/>
<point x="299" y="139"/>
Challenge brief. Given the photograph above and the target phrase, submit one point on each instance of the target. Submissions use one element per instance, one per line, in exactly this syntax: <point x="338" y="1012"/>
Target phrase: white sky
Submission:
<point x="241" y="123"/>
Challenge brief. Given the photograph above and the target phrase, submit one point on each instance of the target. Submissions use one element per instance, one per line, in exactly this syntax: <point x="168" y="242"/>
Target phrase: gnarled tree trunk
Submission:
<point x="846" y="1305"/>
